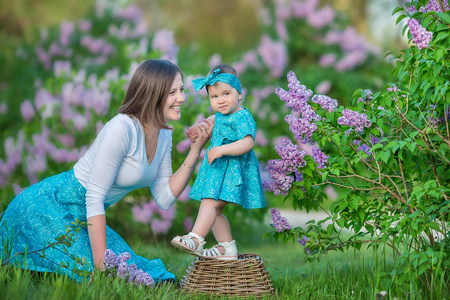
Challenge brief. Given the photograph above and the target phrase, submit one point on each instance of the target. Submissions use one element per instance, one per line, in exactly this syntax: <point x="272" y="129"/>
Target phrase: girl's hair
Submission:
<point x="224" y="69"/>
<point x="148" y="91"/>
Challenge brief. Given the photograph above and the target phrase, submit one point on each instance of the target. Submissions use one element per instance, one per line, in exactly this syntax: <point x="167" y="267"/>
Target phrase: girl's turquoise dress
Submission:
<point x="41" y="213"/>
<point x="233" y="179"/>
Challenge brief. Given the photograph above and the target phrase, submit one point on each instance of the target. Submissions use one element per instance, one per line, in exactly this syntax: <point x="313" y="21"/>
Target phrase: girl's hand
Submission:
<point x="203" y="131"/>
<point x="214" y="153"/>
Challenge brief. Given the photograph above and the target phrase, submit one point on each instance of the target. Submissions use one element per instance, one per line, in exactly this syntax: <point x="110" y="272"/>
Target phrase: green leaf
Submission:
<point x="440" y="36"/>
<point x="396" y="10"/>
<point x="434" y="226"/>
<point x="411" y="146"/>
<point x="444" y="16"/>
<point x="439" y="53"/>
<point x="385" y="156"/>
<point x="400" y="18"/>
<point x="324" y="175"/>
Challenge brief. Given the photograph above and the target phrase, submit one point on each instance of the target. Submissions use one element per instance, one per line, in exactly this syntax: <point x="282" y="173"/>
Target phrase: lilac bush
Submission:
<point x="387" y="157"/>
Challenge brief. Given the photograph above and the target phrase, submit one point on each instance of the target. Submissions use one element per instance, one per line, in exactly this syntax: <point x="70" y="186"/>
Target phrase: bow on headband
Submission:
<point x="215" y="76"/>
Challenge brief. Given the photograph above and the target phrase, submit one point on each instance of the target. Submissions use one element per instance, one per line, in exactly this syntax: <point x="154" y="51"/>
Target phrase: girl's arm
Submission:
<point x="234" y="149"/>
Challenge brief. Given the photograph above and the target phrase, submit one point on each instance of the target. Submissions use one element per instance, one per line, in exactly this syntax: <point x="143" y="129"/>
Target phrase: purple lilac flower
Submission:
<point x="325" y="102"/>
<point x="144" y="278"/>
<point x="282" y="182"/>
<point x="132" y="272"/>
<point x="118" y="266"/>
<point x="366" y="97"/>
<point x="184" y="145"/>
<point x="280" y="223"/>
<point x="164" y="41"/>
<point x="67" y="28"/>
<point x="298" y="175"/>
<point x="323" y="87"/>
<point x="327" y="60"/>
<point x="300" y="127"/>
<point x="393" y="88"/>
<point x="122" y="269"/>
<point x="354" y="119"/>
<point x="110" y="259"/>
<point x="362" y="147"/>
<point x="298" y="94"/>
<point x="421" y="36"/>
<point x="273" y="54"/>
<point x="303" y="240"/>
<point x="321" y="17"/>
<point x="319" y="157"/>
<point x="432" y="5"/>
<point x="291" y="155"/>
<point x="27" y="110"/>
<point x="260" y="138"/>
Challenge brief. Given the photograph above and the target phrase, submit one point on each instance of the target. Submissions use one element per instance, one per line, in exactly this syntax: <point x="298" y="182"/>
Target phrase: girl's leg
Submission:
<point x="207" y="215"/>
<point x="222" y="232"/>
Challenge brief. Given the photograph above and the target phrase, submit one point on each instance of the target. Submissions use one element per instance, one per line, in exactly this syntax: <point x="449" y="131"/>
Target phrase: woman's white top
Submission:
<point x="117" y="164"/>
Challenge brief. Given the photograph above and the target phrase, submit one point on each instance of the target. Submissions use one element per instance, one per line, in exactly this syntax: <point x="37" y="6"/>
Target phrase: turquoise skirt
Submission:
<point x="41" y="213"/>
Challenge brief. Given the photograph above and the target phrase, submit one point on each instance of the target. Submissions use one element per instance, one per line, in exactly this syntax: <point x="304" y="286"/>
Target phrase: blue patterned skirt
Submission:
<point x="41" y="213"/>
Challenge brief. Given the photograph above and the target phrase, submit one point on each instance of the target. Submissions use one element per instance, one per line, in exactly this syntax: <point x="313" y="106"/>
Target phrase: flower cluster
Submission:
<point x="432" y="5"/>
<point x="118" y="266"/>
<point x="301" y="128"/>
<point x="282" y="181"/>
<point x="291" y="155"/>
<point x="280" y="170"/>
<point x="160" y="220"/>
<point x="354" y="119"/>
<point x="319" y="157"/>
<point x="421" y="36"/>
<point x="303" y="242"/>
<point x="362" y="147"/>
<point x="393" y="88"/>
<point x="325" y="102"/>
<point x="366" y="97"/>
<point x="280" y="223"/>
<point x="297" y="96"/>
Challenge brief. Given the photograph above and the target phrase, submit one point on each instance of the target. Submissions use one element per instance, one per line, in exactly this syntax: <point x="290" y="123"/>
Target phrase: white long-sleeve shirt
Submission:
<point x="116" y="164"/>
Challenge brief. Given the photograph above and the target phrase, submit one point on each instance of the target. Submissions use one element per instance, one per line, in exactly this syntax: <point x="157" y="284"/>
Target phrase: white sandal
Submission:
<point x="187" y="243"/>
<point x="230" y="251"/>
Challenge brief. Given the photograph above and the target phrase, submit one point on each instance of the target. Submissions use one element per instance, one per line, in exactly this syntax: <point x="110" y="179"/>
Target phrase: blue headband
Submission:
<point x="215" y="76"/>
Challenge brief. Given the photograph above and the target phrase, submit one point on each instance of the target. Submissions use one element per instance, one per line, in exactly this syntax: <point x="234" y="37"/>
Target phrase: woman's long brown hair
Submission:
<point x="148" y="91"/>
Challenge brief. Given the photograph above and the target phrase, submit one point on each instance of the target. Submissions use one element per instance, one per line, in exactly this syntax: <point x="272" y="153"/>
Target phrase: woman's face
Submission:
<point x="174" y="100"/>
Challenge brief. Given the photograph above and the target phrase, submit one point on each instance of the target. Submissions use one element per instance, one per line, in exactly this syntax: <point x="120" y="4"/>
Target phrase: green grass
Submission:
<point x="348" y="275"/>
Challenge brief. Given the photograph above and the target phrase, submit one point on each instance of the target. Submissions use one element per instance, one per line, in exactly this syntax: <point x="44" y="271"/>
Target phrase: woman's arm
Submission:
<point x="180" y="178"/>
<point x="97" y="238"/>
<point x="234" y="149"/>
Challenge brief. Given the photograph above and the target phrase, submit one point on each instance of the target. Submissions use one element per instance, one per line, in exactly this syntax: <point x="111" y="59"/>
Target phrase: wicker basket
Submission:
<point x="243" y="277"/>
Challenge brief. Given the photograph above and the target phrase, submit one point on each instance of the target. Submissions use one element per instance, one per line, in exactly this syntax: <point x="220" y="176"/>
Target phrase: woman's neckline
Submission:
<point x="151" y="156"/>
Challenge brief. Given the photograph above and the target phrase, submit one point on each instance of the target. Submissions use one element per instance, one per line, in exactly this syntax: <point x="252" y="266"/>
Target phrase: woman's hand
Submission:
<point x="214" y="153"/>
<point x="203" y="133"/>
<point x="207" y="124"/>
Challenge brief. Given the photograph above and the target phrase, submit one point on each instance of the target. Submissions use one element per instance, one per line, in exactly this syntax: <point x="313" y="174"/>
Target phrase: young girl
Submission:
<point x="229" y="172"/>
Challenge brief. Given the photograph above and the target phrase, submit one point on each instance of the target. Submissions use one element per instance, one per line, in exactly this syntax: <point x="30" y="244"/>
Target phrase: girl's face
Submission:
<point x="174" y="100"/>
<point x="224" y="98"/>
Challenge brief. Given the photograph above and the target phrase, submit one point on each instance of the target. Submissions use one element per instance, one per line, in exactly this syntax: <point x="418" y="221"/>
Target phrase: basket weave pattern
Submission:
<point x="243" y="277"/>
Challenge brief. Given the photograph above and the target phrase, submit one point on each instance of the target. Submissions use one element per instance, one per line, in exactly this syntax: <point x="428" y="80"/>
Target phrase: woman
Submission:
<point x="132" y="151"/>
